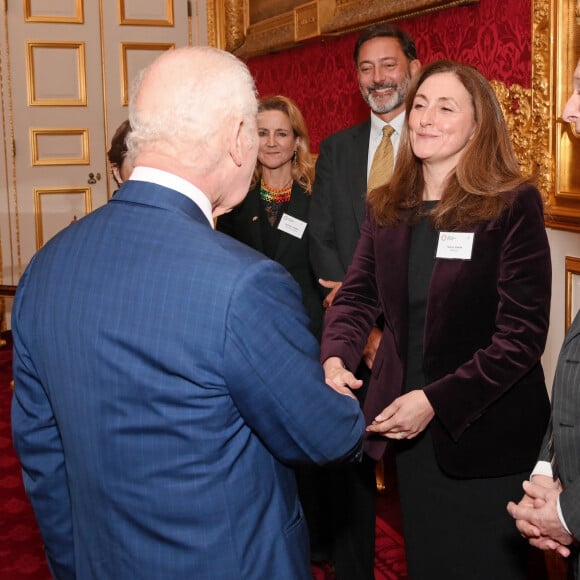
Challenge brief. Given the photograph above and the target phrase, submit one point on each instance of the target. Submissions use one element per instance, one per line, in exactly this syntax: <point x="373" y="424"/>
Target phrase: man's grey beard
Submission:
<point x="380" y="106"/>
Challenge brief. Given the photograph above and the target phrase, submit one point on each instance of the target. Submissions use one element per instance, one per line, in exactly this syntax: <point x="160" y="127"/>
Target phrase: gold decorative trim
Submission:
<point x="33" y="100"/>
<point x="555" y="42"/>
<point x="167" y="21"/>
<point x="542" y="97"/>
<point x="15" y="249"/>
<point x="39" y="192"/>
<point x="36" y="159"/>
<point x="516" y="104"/>
<point x="230" y="24"/>
<point x="76" y="18"/>
<point x="129" y="46"/>
<point x="572" y="269"/>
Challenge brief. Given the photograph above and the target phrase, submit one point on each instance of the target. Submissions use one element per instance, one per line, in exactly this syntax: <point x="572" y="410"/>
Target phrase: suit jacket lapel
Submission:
<point x="394" y="279"/>
<point x="358" y="173"/>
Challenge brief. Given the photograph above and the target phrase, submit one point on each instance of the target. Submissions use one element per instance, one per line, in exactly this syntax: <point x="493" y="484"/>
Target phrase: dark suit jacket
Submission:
<point x="338" y="201"/>
<point x="565" y="427"/>
<point x="485" y="331"/>
<point x="243" y="223"/>
<point x="155" y="415"/>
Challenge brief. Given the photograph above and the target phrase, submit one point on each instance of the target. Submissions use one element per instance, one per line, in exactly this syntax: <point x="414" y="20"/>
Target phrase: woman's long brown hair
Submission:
<point x="487" y="171"/>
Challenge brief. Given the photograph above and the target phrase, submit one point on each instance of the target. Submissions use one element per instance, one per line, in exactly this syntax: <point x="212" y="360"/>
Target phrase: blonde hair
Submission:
<point x="302" y="166"/>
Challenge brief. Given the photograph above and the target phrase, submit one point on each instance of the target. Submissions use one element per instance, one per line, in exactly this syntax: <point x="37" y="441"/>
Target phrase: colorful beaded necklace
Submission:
<point x="275" y="200"/>
<point x="272" y="195"/>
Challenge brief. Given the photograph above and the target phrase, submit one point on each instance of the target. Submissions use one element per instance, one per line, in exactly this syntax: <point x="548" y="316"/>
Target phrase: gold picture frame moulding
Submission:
<point x="40" y="192"/>
<point x="167" y="21"/>
<point x="556" y="150"/>
<point x="572" y="301"/>
<point x="250" y="28"/>
<point x="127" y="47"/>
<point x="38" y="160"/>
<point x="76" y="17"/>
<point x="33" y="100"/>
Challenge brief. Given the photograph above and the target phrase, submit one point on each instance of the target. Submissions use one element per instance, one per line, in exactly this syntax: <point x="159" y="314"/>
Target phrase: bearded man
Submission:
<point x="386" y="61"/>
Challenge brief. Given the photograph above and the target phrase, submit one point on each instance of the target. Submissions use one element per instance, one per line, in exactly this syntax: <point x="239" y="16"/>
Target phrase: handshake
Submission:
<point x="538" y="516"/>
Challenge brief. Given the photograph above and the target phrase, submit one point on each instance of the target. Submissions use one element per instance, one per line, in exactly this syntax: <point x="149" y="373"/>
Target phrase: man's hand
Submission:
<point x="372" y="346"/>
<point x="339" y="378"/>
<point x="537" y="518"/>
<point x="333" y="286"/>
<point x="405" y="417"/>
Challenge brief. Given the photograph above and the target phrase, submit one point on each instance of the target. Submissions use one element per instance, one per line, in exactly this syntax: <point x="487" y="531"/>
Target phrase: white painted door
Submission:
<point x="66" y="68"/>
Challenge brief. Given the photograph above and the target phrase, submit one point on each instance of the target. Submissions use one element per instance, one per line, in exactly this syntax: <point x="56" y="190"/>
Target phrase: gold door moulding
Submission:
<point x="572" y="300"/>
<point x="556" y="150"/>
<point x="42" y="200"/>
<point x="54" y="137"/>
<point x="78" y="93"/>
<point x="166" y="8"/>
<point x="58" y="14"/>
<point x="128" y="47"/>
<point x="253" y="27"/>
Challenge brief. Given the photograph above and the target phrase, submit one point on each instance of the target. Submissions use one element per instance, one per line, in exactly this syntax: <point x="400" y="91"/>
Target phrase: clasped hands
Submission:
<point x="404" y="418"/>
<point x="536" y="515"/>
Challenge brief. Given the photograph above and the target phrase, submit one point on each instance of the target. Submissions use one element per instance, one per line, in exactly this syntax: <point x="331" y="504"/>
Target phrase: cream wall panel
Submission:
<point x="61" y="11"/>
<point x="56" y="208"/>
<point x="66" y="68"/>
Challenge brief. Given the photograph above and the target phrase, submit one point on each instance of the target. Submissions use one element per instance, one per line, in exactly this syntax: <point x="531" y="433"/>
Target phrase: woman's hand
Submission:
<point x="340" y="378"/>
<point x="406" y="417"/>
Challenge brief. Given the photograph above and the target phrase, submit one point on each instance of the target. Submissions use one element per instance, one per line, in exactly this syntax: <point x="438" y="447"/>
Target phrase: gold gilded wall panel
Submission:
<point x="150" y="13"/>
<point x="57" y="207"/>
<point x="134" y="57"/>
<point x="54" y="11"/>
<point x="59" y="146"/>
<point x="66" y="85"/>
<point x="556" y="148"/>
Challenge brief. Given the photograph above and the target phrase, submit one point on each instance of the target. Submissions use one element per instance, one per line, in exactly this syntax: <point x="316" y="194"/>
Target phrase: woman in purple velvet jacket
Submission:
<point x="454" y="255"/>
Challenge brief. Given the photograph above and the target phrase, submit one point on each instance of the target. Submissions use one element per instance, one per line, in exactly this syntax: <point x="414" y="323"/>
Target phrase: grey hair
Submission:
<point x="204" y="88"/>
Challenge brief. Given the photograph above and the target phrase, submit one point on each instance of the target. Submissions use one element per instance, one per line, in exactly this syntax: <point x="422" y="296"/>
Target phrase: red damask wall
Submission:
<point x="493" y="35"/>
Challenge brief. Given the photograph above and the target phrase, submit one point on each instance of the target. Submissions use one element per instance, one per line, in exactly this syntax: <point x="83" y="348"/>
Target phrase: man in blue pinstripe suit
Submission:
<point x="549" y="513"/>
<point x="165" y="379"/>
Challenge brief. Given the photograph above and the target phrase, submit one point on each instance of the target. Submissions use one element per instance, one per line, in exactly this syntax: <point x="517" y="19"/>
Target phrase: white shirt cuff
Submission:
<point x="545" y="468"/>
<point x="542" y="468"/>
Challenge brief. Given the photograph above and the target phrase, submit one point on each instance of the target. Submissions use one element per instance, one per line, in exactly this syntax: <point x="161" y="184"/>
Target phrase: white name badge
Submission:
<point x="292" y="226"/>
<point x="455" y="245"/>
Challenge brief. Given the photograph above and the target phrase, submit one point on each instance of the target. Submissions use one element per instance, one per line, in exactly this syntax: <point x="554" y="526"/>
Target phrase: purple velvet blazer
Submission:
<point x="485" y="331"/>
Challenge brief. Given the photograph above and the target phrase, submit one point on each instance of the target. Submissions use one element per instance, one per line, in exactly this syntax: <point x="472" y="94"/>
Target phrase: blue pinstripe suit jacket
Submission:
<point x="165" y="384"/>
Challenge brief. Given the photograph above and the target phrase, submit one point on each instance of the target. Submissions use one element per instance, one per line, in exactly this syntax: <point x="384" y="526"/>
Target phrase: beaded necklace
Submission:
<point x="275" y="200"/>
<point x="273" y="195"/>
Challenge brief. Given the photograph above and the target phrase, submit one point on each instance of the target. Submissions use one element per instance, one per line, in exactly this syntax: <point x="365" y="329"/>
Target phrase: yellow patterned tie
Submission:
<point x="382" y="166"/>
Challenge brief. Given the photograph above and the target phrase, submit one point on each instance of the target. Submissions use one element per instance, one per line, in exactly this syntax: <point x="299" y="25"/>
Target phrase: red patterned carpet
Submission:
<point x="21" y="552"/>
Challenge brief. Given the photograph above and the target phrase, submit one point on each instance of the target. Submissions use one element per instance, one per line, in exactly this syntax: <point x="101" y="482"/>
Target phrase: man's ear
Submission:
<point x="235" y="142"/>
<point x="414" y="67"/>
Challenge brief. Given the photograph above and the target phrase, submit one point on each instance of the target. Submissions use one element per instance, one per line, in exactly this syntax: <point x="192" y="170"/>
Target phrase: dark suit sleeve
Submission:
<point x="324" y="253"/>
<point x="38" y="444"/>
<point x="356" y="307"/>
<point x="272" y="371"/>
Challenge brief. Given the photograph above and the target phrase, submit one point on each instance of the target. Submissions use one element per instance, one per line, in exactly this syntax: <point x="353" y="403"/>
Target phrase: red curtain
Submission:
<point x="493" y="35"/>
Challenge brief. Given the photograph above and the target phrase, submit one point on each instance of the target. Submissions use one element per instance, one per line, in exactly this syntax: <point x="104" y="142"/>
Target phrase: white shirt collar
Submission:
<point x="171" y="181"/>
<point x="377" y="124"/>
